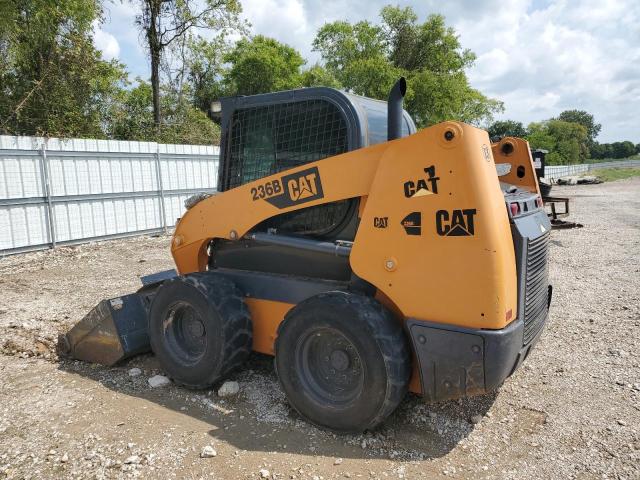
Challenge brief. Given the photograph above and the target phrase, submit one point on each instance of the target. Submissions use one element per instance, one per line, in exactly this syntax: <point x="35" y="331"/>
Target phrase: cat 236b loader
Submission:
<point x="369" y="258"/>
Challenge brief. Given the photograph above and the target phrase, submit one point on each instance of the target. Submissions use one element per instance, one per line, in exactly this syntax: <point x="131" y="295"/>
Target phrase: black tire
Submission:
<point x="343" y="361"/>
<point x="199" y="328"/>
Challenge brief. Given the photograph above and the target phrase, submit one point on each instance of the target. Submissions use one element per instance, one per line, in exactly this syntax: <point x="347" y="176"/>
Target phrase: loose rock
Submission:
<point x="476" y="419"/>
<point x="228" y="389"/>
<point x="208" y="452"/>
<point x="134" y="372"/>
<point x="158" y="381"/>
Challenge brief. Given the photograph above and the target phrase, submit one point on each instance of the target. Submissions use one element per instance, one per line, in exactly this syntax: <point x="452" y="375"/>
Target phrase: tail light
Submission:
<point x="515" y="209"/>
<point x="539" y="202"/>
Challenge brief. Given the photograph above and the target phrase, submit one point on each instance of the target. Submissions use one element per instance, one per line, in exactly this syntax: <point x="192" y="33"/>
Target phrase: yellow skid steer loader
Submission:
<point x="369" y="258"/>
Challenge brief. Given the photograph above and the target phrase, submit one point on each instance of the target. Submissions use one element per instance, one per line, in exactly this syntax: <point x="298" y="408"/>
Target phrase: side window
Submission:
<point x="267" y="139"/>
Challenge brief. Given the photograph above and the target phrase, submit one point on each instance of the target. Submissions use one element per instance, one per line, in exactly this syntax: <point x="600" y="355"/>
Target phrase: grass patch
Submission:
<point x="612" y="174"/>
<point x="607" y="160"/>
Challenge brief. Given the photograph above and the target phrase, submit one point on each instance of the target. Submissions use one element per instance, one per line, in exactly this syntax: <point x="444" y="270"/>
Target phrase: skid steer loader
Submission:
<point x="369" y="258"/>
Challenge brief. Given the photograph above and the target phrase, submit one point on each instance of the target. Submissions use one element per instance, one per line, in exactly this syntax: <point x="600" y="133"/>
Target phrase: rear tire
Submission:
<point x="199" y="329"/>
<point x="343" y="361"/>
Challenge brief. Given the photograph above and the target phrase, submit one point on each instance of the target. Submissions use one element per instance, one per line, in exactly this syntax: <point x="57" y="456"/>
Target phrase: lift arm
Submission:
<point x="434" y="234"/>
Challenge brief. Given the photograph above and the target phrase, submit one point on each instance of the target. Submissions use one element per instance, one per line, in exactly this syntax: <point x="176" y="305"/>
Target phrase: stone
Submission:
<point x="158" y="381"/>
<point x="337" y="461"/>
<point x="135" y="372"/>
<point x="476" y="419"/>
<point x="132" y="460"/>
<point x="264" y="473"/>
<point x="208" y="452"/>
<point x="228" y="389"/>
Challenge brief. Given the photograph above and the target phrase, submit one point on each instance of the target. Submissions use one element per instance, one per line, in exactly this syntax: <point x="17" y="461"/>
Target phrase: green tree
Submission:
<point x="204" y="65"/>
<point x="599" y="150"/>
<point x="165" y="22"/>
<point x="622" y="149"/>
<point x="213" y="69"/>
<point x="131" y="118"/>
<point x="571" y="141"/>
<point x="368" y="59"/>
<point x="585" y="119"/>
<point x="54" y="81"/>
<point x="260" y="65"/>
<point x="186" y="124"/>
<point x="431" y="45"/>
<point x="318" y="76"/>
<point x="566" y="142"/>
<point x="539" y="136"/>
<point x="507" y="128"/>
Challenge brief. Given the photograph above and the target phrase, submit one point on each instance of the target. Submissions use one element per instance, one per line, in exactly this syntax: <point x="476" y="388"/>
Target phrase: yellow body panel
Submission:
<point x="424" y="271"/>
<point x="468" y="281"/>
<point x="233" y="213"/>
<point x="519" y="157"/>
<point x="266" y="316"/>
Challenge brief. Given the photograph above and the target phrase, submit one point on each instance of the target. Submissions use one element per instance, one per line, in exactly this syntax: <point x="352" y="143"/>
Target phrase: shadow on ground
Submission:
<point x="259" y="418"/>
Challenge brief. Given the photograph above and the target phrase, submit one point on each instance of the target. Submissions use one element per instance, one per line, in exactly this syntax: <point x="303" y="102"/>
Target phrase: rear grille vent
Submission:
<point x="537" y="286"/>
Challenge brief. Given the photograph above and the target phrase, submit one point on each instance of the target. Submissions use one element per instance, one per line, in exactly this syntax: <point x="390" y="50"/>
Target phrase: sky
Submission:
<point x="539" y="57"/>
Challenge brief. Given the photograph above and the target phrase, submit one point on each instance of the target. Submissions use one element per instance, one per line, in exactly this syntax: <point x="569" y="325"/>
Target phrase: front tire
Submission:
<point x="343" y="361"/>
<point x="199" y="329"/>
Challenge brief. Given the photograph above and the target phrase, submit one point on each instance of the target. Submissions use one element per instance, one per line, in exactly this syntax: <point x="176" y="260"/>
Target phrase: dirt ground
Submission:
<point x="572" y="411"/>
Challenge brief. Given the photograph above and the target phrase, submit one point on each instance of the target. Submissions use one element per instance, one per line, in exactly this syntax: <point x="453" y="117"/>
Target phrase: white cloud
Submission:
<point x="106" y="42"/>
<point x="538" y="56"/>
<point x="563" y="55"/>
<point x="120" y="23"/>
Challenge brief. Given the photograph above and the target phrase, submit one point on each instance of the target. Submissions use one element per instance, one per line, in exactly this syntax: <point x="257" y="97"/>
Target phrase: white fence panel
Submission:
<point x="57" y="191"/>
<point x="553" y="172"/>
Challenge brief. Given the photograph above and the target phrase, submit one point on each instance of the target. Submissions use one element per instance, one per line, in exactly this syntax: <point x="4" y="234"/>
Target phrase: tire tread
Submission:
<point x="227" y="299"/>
<point x="390" y="338"/>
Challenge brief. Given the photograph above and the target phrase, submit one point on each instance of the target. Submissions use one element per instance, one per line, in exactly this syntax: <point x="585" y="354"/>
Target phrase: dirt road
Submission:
<point x="572" y="411"/>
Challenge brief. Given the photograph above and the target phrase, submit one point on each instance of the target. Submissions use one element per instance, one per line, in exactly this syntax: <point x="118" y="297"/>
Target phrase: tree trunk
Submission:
<point x="155" y="50"/>
<point x="155" y="86"/>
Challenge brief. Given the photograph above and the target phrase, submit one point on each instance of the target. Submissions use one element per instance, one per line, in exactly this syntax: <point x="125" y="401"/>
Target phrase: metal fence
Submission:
<point x="552" y="172"/>
<point x="55" y="192"/>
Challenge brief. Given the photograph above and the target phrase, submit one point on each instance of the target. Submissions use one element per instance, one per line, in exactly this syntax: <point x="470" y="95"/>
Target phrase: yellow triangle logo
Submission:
<point x="305" y="193"/>
<point x="422" y="192"/>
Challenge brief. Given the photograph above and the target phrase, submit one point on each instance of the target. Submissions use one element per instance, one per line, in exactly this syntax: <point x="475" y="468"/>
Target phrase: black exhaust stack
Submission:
<point x="394" y="109"/>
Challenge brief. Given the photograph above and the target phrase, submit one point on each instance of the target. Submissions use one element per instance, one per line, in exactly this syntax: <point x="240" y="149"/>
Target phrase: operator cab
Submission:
<point x="268" y="133"/>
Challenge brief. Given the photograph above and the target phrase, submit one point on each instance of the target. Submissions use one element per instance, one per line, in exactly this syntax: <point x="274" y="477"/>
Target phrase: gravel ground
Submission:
<point x="572" y="411"/>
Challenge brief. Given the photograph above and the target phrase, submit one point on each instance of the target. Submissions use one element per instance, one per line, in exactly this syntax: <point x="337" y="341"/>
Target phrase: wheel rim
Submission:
<point x="329" y="366"/>
<point x="185" y="333"/>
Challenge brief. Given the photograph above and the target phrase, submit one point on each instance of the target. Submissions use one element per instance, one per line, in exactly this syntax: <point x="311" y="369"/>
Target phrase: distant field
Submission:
<point x="611" y="174"/>
<point x="605" y="160"/>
